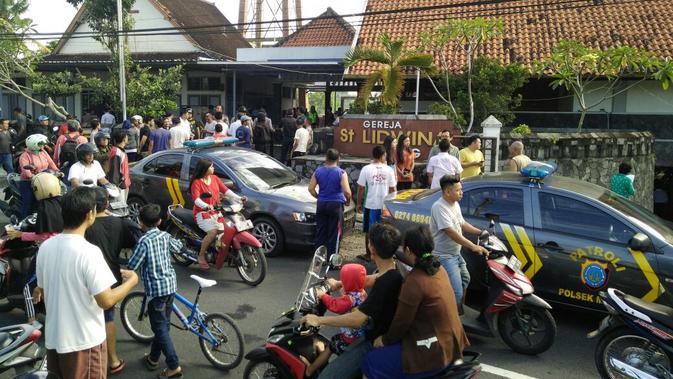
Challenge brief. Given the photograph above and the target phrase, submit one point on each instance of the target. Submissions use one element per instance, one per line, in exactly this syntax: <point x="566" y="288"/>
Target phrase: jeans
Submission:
<point x="285" y="150"/>
<point x="6" y="161"/>
<point x="159" y="311"/>
<point x="329" y="219"/>
<point x="459" y="277"/>
<point x="347" y="365"/>
<point x="27" y="198"/>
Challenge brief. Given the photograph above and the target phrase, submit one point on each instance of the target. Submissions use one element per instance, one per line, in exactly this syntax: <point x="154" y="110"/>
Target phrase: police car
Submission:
<point x="572" y="237"/>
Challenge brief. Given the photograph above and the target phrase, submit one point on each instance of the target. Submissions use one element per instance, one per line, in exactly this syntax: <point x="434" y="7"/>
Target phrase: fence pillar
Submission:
<point x="492" y="128"/>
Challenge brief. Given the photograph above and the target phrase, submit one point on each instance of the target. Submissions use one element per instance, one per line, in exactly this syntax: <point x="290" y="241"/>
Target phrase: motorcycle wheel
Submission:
<point x="229" y="352"/>
<point x="140" y="330"/>
<point x="264" y="369"/>
<point x="527" y="329"/>
<point x="251" y="265"/>
<point x="181" y="257"/>
<point x="632" y="349"/>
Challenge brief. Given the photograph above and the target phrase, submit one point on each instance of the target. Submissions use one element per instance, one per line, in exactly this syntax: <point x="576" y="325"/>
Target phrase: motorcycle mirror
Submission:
<point x="206" y="195"/>
<point x="336" y="260"/>
<point x="88" y="182"/>
<point x="55" y="128"/>
<point x="29" y="167"/>
<point x="483" y="235"/>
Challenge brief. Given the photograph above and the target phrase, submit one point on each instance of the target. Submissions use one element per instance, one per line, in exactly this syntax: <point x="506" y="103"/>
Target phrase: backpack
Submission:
<point x="68" y="151"/>
<point x="260" y="133"/>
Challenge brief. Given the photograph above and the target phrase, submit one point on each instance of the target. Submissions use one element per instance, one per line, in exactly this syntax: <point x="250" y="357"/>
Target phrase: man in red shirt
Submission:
<point x="73" y="136"/>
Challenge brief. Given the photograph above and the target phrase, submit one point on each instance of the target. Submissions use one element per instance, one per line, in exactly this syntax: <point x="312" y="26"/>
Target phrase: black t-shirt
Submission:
<point x="289" y="126"/>
<point x="5" y="142"/>
<point x="111" y="235"/>
<point x="145" y="131"/>
<point x="381" y="303"/>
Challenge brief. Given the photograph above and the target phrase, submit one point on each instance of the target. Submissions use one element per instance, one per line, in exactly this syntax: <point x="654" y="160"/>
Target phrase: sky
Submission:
<point x="55" y="15"/>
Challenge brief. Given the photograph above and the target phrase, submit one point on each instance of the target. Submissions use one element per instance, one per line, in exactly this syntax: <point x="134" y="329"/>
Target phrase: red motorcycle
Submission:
<point x="234" y="246"/>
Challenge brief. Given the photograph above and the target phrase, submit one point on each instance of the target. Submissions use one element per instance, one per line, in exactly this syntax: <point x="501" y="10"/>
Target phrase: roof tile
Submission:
<point x="328" y="29"/>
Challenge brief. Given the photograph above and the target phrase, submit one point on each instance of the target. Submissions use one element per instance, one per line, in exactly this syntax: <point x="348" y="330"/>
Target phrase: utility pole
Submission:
<point x="259" y="8"/>
<point x="297" y="12"/>
<point x="243" y="16"/>
<point x="122" y="69"/>
<point x="286" y="16"/>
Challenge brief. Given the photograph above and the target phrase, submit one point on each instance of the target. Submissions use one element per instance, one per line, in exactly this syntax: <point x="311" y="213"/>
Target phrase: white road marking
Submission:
<point x="504" y="373"/>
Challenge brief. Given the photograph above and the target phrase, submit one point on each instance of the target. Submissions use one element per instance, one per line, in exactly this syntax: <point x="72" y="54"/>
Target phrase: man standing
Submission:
<point x="447" y="226"/>
<point x="160" y="137"/>
<point x="20" y="123"/>
<point x="75" y="282"/>
<point x="236" y="124"/>
<point x="289" y="125"/>
<point x="453" y="150"/>
<point x="6" y="146"/>
<point x="134" y="138"/>
<point x="219" y="120"/>
<point x="209" y="127"/>
<point x="181" y="132"/>
<point x="377" y="179"/>
<point x="518" y="159"/>
<point x="119" y="164"/>
<point x="301" y="137"/>
<point x="107" y="120"/>
<point x="442" y="164"/>
<point x="144" y="141"/>
<point x="471" y="158"/>
<point x="64" y="149"/>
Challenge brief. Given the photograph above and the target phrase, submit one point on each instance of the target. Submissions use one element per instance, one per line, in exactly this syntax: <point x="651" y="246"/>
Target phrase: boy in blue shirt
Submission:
<point x="243" y="132"/>
<point x="152" y="256"/>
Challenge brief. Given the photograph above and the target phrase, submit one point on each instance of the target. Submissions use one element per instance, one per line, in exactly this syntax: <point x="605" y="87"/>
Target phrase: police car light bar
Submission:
<point x="209" y="142"/>
<point x="537" y="171"/>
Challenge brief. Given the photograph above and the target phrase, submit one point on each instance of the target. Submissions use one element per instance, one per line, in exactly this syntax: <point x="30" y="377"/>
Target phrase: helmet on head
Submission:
<point x="45" y="186"/>
<point x="101" y="135"/>
<point x="35" y="142"/>
<point x="84" y="149"/>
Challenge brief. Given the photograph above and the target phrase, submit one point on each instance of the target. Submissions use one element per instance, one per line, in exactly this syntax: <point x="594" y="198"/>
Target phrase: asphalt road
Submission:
<point x="255" y="309"/>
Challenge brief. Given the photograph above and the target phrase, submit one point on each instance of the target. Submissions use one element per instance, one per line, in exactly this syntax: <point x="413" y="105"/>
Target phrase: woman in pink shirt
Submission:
<point x="40" y="161"/>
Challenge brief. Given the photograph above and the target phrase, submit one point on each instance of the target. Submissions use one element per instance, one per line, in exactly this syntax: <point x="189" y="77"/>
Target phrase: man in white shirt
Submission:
<point x="108" y="120"/>
<point x="87" y="168"/>
<point x="301" y="138"/>
<point x="378" y="180"/>
<point x="234" y="126"/>
<point x="181" y="132"/>
<point x="442" y="164"/>
<point x="75" y="283"/>
<point x="209" y="126"/>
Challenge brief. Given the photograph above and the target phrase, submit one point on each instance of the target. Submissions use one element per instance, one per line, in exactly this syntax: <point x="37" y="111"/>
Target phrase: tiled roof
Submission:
<point x="169" y="58"/>
<point x="328" y="29"/>
<point x="531" y="27"/>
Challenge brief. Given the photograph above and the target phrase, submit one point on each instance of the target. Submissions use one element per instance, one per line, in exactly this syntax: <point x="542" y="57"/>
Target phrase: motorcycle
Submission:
<point x="510" y="309"/>
<point x="18" y="346"/>
<point x="17" y="268"/>
<point x="117" y="204"/>
<point x="12" y="204"/>
<point x="636" y="338"/>
<point x="235" y="245"/>
<point x="288" y="339"/>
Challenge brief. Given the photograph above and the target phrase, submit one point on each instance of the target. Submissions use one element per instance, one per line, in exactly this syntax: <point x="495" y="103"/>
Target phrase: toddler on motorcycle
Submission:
<point x="353" y="294"/>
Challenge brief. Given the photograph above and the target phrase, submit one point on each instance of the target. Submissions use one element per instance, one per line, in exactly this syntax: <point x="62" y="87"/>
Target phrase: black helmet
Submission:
<point x="99" y="136"/>
<point x="84" y="149"/>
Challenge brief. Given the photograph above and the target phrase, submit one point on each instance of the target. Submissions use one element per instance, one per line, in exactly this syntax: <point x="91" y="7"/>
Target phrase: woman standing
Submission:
<point x="390" y="144"/>
<point x="425" y="335"/>
<point x="405" y="163"/>
<point x="335" y="192"/>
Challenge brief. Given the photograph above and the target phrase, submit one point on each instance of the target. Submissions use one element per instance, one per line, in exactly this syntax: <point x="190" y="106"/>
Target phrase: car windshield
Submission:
<point x="639" y="215"/>
<point x="261" y="173"/>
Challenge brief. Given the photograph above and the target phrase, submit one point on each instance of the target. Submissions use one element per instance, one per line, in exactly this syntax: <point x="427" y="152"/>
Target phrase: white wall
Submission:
<point x="147" y="17"/>
<point x="649" y="97"/>
<point x="593" y="93"/>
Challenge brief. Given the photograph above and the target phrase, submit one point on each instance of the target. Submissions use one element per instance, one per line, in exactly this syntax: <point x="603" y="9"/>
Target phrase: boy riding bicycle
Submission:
<point x="152" y="256"/>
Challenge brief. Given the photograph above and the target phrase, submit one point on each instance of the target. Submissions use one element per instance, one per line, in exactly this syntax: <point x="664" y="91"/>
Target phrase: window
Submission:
<point x="218" y="171"/>
<point x="206" y="101"/>
<point x="502" y="204"/>
<point x="168" y="165"/>
<point x="566" y="215"/>
<point x="209" y="83"/>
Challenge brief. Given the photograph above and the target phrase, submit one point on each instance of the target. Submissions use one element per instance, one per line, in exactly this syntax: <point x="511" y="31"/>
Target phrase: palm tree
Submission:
<point x="391" y="59"/>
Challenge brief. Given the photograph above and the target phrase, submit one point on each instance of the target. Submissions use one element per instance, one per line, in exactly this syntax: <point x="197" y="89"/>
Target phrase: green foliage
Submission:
<point x="446" y="110"/>
<point x="151" y="94"/>
<point x="391" y="59"/>
<point x="523" y="130"/>
<point x="61" y="83"/>
<point x="377" y="106"/>
<point x="101" y="16"/>
<point x="317" y="99"/>
<point x="575" y="66"/>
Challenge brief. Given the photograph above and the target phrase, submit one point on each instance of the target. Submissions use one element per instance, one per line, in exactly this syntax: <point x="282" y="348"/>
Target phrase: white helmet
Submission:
<point x="35" y="142"/>
<point x="45" y="186"/>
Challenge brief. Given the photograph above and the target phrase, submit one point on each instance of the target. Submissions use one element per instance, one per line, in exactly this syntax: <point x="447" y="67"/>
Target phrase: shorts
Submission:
<point x="89" y="363"/>
<point x="109" y="314"/>
<point x="212" y="222"/>
<point x="369" y="218"/>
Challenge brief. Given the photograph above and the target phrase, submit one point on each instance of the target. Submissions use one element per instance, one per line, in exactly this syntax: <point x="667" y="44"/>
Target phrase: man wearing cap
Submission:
<point x="243" y="132"/>
<point x="134" y="138"/>
<point x="181" y="132"/>
<point x="43" y="127"/>
<point x="301" y="138"/>
<point x="72" y="134"/>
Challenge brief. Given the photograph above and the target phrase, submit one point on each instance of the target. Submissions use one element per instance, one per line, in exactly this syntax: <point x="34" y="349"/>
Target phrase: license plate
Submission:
<point x="242" y="225"/>
<point x="514" y="263"/>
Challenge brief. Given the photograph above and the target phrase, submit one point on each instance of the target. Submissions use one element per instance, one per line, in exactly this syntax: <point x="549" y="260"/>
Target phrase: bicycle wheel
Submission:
<point x="227" y="353"/>
<point x="134" y="317"/>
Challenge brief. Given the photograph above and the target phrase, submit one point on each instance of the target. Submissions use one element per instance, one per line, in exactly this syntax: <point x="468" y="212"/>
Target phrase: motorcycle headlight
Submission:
<point x="303" y="216"/>
<point x="275" y="338"/>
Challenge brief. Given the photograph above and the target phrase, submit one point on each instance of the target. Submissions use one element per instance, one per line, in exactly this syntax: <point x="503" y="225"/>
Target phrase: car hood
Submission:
<point x="298" y="192"/>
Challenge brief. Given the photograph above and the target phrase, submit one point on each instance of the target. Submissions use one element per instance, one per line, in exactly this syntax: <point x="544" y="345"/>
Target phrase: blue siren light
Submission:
<point x="209" y="142"/>
<point x="538" y="170"/>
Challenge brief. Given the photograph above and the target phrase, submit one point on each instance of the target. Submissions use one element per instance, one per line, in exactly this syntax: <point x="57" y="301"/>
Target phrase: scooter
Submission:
<point x="235" y="245"/>
<point x="17" y="268"/>
<point x="12" y="204"/>
<point x="18" y="345"/>
<point x="636" y="338"/>
<point x="288" y="340"/>
<point x="510" y="309"/>
<point x="117" y="204"/>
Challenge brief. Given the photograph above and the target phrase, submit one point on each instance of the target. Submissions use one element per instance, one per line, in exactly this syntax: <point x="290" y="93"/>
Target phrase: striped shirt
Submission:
<point x="152" y="256"/>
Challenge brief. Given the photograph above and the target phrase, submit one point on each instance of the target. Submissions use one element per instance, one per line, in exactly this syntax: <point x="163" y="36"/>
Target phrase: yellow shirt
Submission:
<point x="468" y="156"/>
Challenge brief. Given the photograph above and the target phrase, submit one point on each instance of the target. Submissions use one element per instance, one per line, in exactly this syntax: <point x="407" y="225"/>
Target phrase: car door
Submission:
<point x="583" y="250"/>
<point x="509" y="208"/>
<point x="161" y="176"/>
<point x="220" y="172"/>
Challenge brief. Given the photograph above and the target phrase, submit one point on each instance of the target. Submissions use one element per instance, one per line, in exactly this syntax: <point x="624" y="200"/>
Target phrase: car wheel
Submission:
<point x="270" y="235"/>
<point x="134" y="204"/>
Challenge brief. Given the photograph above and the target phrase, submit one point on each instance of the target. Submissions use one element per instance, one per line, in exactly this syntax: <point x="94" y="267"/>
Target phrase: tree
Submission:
<point x="459" y="39"/>
<point x="391" y="59"/>
<point x="577" y="67"/>
<point x="17" y="59"/>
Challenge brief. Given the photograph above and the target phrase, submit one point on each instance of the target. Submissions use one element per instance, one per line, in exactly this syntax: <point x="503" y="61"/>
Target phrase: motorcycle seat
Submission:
<point x="186" y="217"/>
<point x="5" y="340"/>
<point x="659" y="312"/>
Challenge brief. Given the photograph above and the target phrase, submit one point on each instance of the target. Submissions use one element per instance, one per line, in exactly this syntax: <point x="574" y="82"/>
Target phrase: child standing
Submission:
<point x="353" y="294"/>
<point x="152" y="256"/>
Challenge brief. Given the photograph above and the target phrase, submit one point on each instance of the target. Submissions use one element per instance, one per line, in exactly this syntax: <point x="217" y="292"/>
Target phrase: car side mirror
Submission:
<point x="639" y="242"/>
<point x="230" y="184"/>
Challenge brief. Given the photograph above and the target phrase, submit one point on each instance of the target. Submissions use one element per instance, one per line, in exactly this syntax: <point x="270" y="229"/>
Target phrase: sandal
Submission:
<point x="164" y="375"/>
<point x="118" y="368"/>
<point x="203" y="264"/>
<point x="150" y="364"/>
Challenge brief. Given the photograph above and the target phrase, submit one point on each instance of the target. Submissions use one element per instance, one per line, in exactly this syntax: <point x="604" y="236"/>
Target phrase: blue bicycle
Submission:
<point x="220" y="338"/>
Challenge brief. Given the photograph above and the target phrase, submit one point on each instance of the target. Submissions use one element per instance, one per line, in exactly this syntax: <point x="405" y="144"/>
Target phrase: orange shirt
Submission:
<point x="406" y="165"/>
